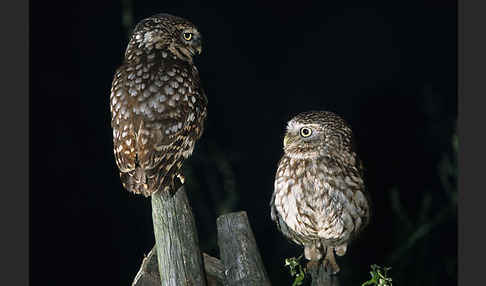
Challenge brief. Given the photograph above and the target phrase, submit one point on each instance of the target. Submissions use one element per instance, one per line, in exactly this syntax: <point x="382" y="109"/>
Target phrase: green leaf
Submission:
<point x="379" y="276"/>
<point x="296" y="270"/>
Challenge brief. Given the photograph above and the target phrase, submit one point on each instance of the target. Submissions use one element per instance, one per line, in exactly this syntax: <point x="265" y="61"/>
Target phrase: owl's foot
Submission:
<point x="312" y="252"/>
<point x="312" y="264"/>
<point x="181" y="178"/>
<point x="177" y="182"/>
<point x="341" y="250"/>
<point x="330" y="262"/>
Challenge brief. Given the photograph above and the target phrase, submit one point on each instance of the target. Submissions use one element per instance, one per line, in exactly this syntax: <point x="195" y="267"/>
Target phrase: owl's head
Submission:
<point x="164" y="31"/>
<point x="314" y="134"/>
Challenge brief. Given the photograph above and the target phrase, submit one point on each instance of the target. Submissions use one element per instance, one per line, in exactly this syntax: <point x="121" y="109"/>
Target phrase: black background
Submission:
<point x="388" y="67"/>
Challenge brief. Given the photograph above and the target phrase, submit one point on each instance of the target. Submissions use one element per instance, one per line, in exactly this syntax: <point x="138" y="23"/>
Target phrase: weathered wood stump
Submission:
<point x="320" y="277"/>
<point x="239" y="252"/>
<point x="149" y="275"/>
<point x="240" y="264"/>
<point x="179" y="258"/>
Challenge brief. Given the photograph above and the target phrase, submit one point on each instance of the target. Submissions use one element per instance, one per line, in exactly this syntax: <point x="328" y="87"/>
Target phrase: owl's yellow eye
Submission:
<point x="305" y="132"/>
<point x="187" y="36"/>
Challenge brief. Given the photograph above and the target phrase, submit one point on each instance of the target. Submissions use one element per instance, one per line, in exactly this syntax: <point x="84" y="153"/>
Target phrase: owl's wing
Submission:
<point x="367" y="202"/>
<point x="280" y="222"/>
<point x="158" y="109"/>
<point x="166" y="114"/>
<point x="273" y="209"/>
<point x="146" y="117"/>
<point x="147" y="122"/>
<point x="347" y="178"/>
<point x="122" y="123"/>
<point x="281" y="225"/>
<point x="201" y="103"/>
<point x="172" y="116"/>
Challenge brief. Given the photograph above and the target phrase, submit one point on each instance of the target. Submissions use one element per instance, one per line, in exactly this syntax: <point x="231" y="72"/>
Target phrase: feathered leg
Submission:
<point x="330" y="261"/>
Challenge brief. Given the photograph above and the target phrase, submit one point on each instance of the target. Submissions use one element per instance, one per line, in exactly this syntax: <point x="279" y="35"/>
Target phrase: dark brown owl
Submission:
<point x="320" y="201"/>
<point x="157" y="104"/>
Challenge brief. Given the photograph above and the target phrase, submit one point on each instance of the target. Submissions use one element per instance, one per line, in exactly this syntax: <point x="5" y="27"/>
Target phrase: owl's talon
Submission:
<point x="181" y="178"/>
<point x="341" y="250"/>
<point x="330" y="264"/>
<point x="312" y="264"/>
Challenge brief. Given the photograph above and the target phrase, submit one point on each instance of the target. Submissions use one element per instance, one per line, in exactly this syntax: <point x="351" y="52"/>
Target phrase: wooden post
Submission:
<point x="178" y="254"/>
<point x="239" y="252"/>
<point x="322" y="278"/>
<point x="179" y="261"/>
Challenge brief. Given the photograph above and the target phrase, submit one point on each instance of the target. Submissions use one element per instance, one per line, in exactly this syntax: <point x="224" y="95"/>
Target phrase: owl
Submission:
<point x="319" y="199"/>
<point x="158" y="107"/>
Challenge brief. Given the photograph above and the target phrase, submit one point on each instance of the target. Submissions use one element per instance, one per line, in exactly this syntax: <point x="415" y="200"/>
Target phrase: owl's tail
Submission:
<point x="137" y="182"/>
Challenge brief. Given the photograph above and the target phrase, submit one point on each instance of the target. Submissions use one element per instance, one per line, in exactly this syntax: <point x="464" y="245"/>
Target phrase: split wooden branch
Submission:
<point x="149" y="275"/>
<point x="214" y="270"/>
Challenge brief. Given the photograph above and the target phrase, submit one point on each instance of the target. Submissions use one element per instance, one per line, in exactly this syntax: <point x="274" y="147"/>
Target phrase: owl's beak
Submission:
<point x="286" y="140"/>
<point x="199" y="50"/>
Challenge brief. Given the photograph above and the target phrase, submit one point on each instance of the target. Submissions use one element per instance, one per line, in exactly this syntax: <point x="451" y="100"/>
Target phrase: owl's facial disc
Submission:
<point x="301" y="141"/>
<point x="192" y="40"/>
<point x="294" y="137"/>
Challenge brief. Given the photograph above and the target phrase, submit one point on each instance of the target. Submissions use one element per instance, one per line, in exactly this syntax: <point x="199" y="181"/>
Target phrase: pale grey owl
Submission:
<point x="157" y="104"/>
<point x="319" y="200"/>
